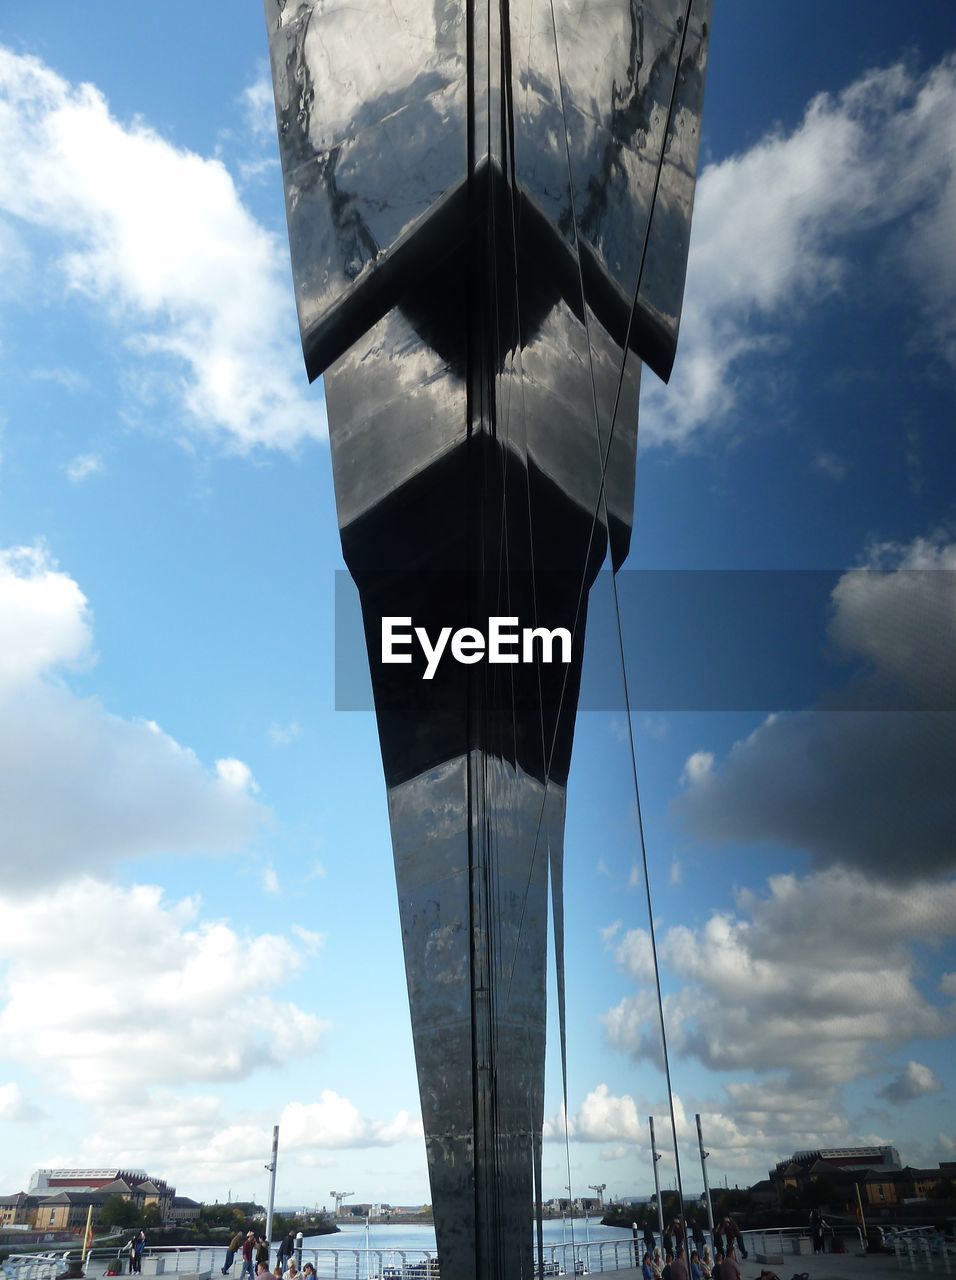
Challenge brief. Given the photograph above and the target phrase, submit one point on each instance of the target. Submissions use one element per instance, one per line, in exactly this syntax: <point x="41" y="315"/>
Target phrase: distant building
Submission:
<point x="184" y="1210"/>
<point x="59" y="1194"/>
<point x="53" y="1180"/>
<point x="67" y="1210"/>
<point x="17" y="1210"/>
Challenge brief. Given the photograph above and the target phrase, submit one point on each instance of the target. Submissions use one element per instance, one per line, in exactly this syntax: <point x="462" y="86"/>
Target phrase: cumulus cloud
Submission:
<point x="633" y="953"/>
<point x="745" y="1131"/>
<point x="772" y="233"/>
<point x="109" y="991"/>
<point x="159" y="240"/>
<point x="606" y="1118"/>
<point x="870" y="789"/>
<point x="916" y="1080"/>
<point x="813" y="981"/>
<point x="333" y="1122"/>
<point x="81" y="788"/>
<point x="44" y="617"/>
<point x="204" y="1143"/>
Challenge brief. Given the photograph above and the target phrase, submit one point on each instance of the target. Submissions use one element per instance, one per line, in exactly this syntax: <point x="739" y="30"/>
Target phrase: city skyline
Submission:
<point x="200" y="934"/>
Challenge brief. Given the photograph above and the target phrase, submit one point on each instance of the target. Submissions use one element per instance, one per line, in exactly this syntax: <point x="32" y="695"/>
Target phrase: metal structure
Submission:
<point x="489" y="207"/>
<point x="703" y="1168"/>
<point x="655" y="1156"/>
<point x="272" y="1166"/>
<point x="338" y="1197"/>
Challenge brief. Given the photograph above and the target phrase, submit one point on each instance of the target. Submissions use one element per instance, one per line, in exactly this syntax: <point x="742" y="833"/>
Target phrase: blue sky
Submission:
<point x="200" y="934"/>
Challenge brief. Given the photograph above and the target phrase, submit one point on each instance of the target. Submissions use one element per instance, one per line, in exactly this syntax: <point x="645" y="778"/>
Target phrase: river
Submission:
<point x="420" y="1236"/>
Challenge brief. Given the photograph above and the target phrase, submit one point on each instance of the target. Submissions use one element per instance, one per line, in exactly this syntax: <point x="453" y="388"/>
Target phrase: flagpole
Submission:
<point x="87" y="1235"/>
<point x="859" y="1210"/>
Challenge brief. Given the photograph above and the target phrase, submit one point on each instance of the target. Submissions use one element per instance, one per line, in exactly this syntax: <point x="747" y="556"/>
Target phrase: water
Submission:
<point x="351" y="1235"/>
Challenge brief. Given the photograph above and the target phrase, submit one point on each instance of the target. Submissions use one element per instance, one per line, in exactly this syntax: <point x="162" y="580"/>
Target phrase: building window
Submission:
<point x="880" y="1190"/>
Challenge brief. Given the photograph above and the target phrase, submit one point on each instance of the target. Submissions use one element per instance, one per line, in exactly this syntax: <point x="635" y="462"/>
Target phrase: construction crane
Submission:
<point x="338" y="1197"/>
<point x="600" y="1188"/>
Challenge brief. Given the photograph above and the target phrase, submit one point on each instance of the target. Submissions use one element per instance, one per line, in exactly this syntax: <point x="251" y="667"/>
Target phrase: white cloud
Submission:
<point x="333" y="1122"/>
<point x="138" y="992"/>
<point x="259" y="105"/>
<point x="270" y="880"/>
<point x="871" y="789"/>
<point x="772" y="227"/>
<point x="203" y="1143"/>
<point x="606" y="1118"/>
<point x="633" y="953"/>
<point x="817" y="979"/>
<point x="44" y="618"/>
<point x="236" y="776"/>
<point x="80" y="788"/>
<point x="83" y="466"/>
<point x="158" y="238"/>
<point x="916" y="1080"/>
<point x="697" y="768"/>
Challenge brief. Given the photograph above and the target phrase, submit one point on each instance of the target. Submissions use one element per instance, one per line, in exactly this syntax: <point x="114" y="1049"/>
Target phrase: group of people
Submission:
<point x="722" y="1266"/>
<point x="254" y="1250"/>
<point x="135" y="1249"/>
<point x="669" y="1260"/>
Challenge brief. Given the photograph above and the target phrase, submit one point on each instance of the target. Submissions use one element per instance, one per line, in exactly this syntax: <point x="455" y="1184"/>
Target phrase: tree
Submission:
<point x="945" y="1189"/>
<point x="119" y="1212"/>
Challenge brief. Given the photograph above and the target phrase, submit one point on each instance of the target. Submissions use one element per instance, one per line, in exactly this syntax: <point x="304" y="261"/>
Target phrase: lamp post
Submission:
<point x="272" y="1189"/>
<point x="703" y="1166"/>
<point x="657" y="1183"/>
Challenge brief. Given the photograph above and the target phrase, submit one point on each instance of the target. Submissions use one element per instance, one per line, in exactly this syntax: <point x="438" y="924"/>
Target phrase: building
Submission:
<point x="17" y="1210"/>
<point x="804" y="1166"/>
<point x="53" y="1180"/>
<point x="67" y="1210"/>
<point x="56" y="1193"/>
<point x="184" y="1210"/>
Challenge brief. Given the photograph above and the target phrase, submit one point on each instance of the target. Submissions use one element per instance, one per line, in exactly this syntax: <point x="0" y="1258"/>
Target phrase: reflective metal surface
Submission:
<point x="489" y="208"/>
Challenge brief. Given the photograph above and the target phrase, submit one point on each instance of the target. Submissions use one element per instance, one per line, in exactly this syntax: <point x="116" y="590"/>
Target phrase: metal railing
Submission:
<point x="915" y="1249"/>
<point x="581" y="1258"/>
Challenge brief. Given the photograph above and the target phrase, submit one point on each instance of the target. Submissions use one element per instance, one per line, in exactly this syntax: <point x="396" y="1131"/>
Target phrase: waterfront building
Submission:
<point x="57" y="1192"/>
<point x="18" y="1210"/>
<point x="183" y="1209"/>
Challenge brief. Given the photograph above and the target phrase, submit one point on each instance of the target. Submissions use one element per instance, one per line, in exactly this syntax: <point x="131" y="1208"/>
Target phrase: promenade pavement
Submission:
<point x="829" y="1266"/>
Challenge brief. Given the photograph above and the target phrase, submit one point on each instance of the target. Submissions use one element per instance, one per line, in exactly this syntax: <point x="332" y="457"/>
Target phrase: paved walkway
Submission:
<point x="829" y="1266"/>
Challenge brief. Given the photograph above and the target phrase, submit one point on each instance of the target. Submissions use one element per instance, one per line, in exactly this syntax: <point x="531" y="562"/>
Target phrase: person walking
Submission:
<point x="286" y="1248"/>
<point x="649" y="1242"/>
<point x="248" y="1247"/>
<point x="262" y="1252"/>
<point x="139" y="1248"/>
<point x="232" y="1248"/>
